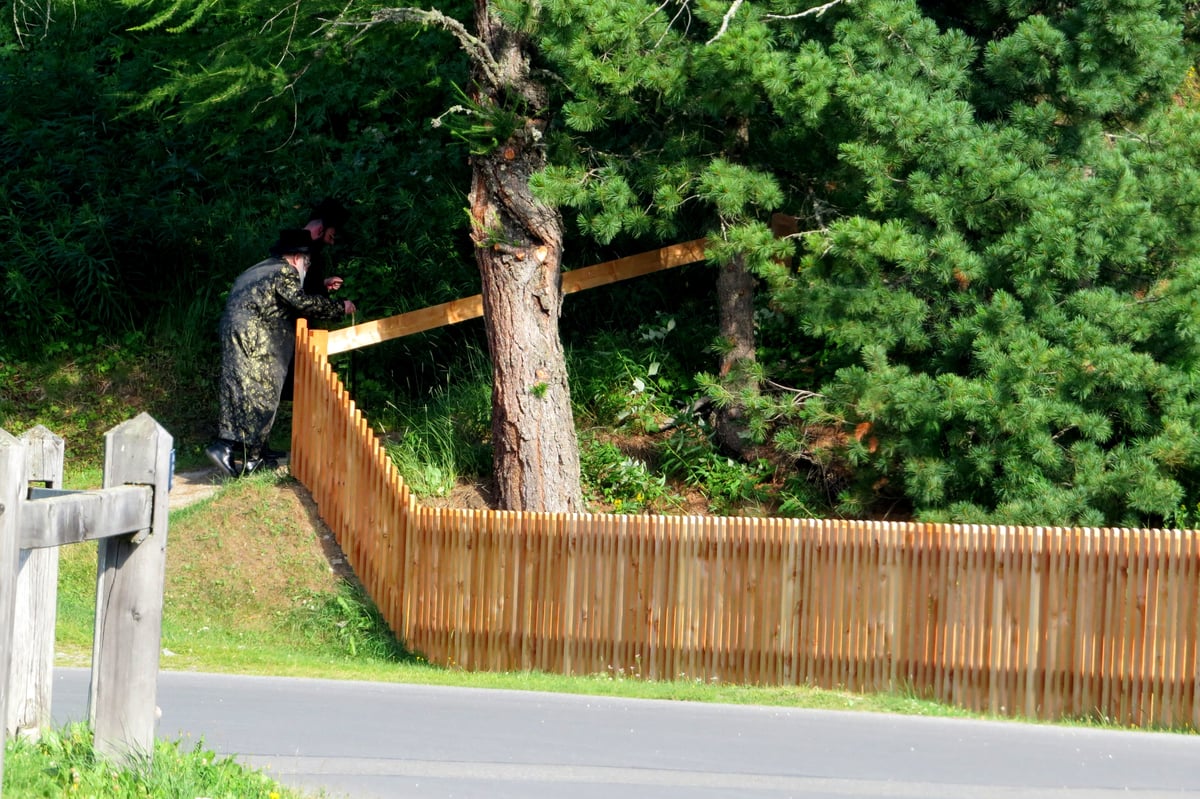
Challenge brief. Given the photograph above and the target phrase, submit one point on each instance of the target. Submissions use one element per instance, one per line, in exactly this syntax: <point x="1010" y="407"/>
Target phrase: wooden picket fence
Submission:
<point x="1045" y="623"/>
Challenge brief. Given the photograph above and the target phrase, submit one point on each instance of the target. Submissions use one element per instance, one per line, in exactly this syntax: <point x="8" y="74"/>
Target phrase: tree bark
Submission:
<point x="735" y="323"/>
<point x="518" y="244"/>
<point x="735" y="302"/>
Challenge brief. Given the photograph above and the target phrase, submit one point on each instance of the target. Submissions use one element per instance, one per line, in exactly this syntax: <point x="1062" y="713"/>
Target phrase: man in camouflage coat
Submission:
<point x="257" y="335"/>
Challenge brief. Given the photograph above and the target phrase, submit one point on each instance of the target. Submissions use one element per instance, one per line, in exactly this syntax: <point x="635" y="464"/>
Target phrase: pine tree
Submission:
<point x="998" y="285"/>
<point x="519" y="241"/>
<point x="1013" y="299"/>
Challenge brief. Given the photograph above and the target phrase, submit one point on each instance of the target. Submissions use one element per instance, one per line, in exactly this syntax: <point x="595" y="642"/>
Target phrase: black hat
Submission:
<point x="331" y="213"/>
<point x="292" y="240"/>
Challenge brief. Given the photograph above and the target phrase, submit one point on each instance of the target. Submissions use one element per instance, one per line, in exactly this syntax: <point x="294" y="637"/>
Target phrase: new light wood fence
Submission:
<point x="1041" y="622"/>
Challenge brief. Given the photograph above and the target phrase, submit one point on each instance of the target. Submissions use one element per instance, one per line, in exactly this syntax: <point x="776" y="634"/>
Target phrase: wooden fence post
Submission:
<point x="12" y="478"/>
<point x="31" y="676"/>
<point x="129" y="598"/>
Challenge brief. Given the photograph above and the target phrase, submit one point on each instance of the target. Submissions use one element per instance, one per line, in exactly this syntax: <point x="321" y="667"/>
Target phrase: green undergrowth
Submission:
<point x="641" y="448"/>
<point x="81" y="392"/>
<point x="63" y="763"/>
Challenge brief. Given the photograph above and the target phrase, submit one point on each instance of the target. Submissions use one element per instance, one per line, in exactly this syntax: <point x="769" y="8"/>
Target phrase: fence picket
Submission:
<point x="1191" y="638"/>
<point x="1172" y="565"/>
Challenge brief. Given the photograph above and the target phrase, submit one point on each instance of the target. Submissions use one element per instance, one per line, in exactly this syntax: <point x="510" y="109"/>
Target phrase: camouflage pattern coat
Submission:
<point x="257" y="342"/>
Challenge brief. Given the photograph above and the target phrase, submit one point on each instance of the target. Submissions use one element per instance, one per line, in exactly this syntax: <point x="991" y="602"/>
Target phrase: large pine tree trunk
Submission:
<point x="735" y="299"/>
<point x="735" y="321"/>
<point x="519" y="250"/>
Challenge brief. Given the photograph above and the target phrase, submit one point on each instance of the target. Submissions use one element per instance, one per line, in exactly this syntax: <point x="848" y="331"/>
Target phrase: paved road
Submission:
<point x="385" y="741"/>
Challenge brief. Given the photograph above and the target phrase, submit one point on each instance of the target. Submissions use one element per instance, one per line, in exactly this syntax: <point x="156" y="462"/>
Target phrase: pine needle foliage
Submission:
<point x="1013" y="298"/>
<point x="995" y="279"/>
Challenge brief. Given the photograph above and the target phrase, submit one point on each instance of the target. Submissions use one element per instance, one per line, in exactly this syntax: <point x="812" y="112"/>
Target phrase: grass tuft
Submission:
<point x="63" y="763"/>
<point x="345" y="623"/>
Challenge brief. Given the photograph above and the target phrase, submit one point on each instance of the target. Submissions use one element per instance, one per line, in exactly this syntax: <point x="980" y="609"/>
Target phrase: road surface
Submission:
<point x="387" y="741"/>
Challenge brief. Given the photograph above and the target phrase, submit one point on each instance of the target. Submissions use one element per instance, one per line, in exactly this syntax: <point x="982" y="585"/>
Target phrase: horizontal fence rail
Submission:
<point x="1046" y="623"/>
<point x="460" y="310"/>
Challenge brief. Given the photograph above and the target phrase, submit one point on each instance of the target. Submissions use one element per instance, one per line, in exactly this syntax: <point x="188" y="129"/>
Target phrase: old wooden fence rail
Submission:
<point x="1042" y="622"/>
<point x="128" y="519"/>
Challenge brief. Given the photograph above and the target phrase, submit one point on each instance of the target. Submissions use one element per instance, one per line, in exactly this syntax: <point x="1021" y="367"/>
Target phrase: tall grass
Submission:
<point x="424" y="451"/>
<point x="187" y="325"/>
<point x="436" y="439"/>
<point x="63" y="763"/>
<point x="345" y="623"/>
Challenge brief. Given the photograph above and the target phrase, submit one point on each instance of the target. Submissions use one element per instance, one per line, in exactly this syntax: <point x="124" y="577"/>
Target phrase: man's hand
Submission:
<point x="333" y="283"/>
<point x="349" y="306"/>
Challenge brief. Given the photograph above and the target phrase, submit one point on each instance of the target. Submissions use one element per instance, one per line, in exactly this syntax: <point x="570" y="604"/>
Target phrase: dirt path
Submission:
<point x="189" y="487"/>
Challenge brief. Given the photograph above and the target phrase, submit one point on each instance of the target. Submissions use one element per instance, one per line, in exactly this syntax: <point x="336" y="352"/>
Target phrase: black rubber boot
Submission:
<point x="220" y="452"/>
<point x="258" y="458"/>
<point x="251" y="465"/>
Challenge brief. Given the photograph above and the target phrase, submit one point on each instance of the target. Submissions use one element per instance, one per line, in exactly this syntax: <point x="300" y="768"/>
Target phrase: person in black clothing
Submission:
<point x="323" y="222"/>
<point x="258" y="340"/>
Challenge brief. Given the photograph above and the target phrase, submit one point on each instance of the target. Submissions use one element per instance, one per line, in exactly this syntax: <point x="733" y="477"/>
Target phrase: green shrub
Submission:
<point x="625" y="483"/>
<point x="728" y="484"/>
<point x="632" y="381"/>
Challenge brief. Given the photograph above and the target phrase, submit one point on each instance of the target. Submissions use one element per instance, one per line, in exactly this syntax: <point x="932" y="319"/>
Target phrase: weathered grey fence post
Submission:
<point x="12" y="477"/>
<point x="129" y="598"/>
<point x="31" y="677"/>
